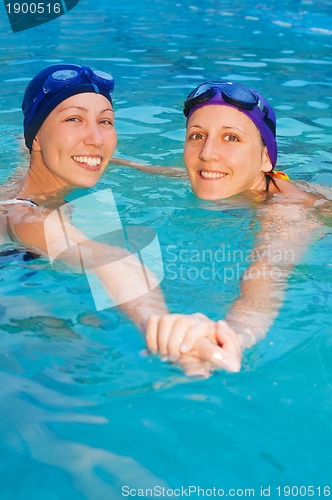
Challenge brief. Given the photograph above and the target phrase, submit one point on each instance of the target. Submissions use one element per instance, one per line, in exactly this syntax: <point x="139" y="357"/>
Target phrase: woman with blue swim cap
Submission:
<point x="230" y="153"/>
<point x="69" y="131"/>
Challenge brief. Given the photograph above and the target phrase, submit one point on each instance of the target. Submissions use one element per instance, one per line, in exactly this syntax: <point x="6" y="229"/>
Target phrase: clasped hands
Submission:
<point x="196" y="343"/>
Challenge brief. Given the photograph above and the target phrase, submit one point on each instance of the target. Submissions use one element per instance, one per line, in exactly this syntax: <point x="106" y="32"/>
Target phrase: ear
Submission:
<point x="36" y="144"/>
<point x="266" y="162"/>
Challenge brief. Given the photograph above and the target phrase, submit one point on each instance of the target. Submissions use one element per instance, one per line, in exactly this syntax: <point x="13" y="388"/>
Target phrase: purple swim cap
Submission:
<point x="244" y="99"/>
<point x="54" y="84"/>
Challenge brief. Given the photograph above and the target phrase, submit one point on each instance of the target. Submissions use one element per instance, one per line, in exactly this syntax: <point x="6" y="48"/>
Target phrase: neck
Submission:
<point x="40" y="184"/>
<point x="259" y="183"/>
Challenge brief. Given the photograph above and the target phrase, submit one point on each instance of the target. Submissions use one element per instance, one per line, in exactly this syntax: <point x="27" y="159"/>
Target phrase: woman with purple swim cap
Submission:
<point x="69" y="131"/>
<point x="245" y="126"/>
<point x="230" y="153"/>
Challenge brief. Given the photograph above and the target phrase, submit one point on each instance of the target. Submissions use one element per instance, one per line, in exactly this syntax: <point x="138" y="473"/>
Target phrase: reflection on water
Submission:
<point x="28" y="430"/>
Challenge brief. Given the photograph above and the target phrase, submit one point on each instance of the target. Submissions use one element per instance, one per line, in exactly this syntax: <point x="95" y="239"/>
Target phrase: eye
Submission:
<point x="231" y="138"/>
<point x="196" y="137"/>
<point x="106" y="121"/>
<point x="72" y="119"/>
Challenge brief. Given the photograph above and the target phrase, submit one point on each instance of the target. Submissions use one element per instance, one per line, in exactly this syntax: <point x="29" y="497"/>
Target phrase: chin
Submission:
<point x="87" y="183"/>
<point x="209" y="196"/>
<point x="83" y="185"/>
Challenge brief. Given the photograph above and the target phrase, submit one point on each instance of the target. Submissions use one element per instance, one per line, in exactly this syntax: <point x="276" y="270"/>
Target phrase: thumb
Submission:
<point x="227" y="338"/>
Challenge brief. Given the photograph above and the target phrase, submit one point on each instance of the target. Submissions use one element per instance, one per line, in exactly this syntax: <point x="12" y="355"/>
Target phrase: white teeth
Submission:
<point x="211" y="175"/>
<point x="88" y="160"/>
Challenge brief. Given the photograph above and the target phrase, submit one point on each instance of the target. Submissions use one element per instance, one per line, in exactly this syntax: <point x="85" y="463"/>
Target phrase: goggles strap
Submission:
<point x="96" y="88"/>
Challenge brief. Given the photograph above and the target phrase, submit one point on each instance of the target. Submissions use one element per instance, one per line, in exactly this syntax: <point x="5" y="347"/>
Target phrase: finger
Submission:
<point x="199" y="316"/>
<point x="227" y="338"/>
<point x="151" y="333"/>
<point x="195" y="368"/>
<point x="176" y="337"/>
<point x="165" y="327"/>
<point x="199" y="330"/>
<point x="217" y="356"/>
<point x="180" y="329"/>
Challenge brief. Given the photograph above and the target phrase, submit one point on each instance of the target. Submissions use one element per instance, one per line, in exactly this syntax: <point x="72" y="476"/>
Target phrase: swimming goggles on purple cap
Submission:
<point x="66" y="78"/>
<point x="233" y="93"/>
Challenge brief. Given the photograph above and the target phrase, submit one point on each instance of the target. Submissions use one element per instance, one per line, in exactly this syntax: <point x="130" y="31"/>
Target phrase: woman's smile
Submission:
<point x="224" y="153"/>
<point x="89" y="162"/>
<point x="209" y="175"/>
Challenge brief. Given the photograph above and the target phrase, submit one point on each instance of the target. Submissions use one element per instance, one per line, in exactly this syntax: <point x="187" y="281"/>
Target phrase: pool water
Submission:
<point x="84" y="409"/>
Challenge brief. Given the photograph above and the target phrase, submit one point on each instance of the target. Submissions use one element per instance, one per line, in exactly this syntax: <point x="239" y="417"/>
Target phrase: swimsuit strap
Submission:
<point x="14" y="201"/>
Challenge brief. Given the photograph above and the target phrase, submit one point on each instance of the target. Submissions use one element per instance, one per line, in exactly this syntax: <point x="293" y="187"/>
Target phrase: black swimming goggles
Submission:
<point x="233" y="93"/>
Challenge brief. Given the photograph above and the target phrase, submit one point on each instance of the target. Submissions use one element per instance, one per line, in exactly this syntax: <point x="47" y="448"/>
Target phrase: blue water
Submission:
<point x="85" y="410"/>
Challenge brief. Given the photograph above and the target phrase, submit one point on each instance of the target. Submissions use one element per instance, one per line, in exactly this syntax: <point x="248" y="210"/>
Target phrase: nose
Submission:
<point x="93" y="135"/>
<point x="210" y="150"/>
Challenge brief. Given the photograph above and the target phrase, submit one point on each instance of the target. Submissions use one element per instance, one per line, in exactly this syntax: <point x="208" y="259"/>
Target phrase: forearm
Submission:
<point x="151" y="169"/>
<point x="133" y="297"/>
<point x="116" y="276"/>
<point x="280" y="245"/>
<point x="125" y="282"/>
<point x="261" y="297"/>
<point x="141" y="309"/>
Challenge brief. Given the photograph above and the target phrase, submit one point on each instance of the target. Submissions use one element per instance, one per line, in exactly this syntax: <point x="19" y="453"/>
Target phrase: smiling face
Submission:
<point x="224" y="153"/>
<point x="76" y="141"/>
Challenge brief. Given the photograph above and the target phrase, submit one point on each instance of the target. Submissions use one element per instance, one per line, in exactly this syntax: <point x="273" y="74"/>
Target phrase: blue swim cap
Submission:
<point x="54" y="84"/>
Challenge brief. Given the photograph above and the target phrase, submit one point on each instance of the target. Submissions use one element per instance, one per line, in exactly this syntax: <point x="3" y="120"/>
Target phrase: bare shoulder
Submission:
<point x="25" y="224"/>
<point x="310" y="195"/>
<point x="292" y="204"/>
<point x="295" y="193"/>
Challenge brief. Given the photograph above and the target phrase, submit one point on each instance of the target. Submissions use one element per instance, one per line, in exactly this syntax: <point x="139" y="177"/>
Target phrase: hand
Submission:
<point x="222" y="350"/>
<point x="194" y="341"/>
<point x="166" y="334"/>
